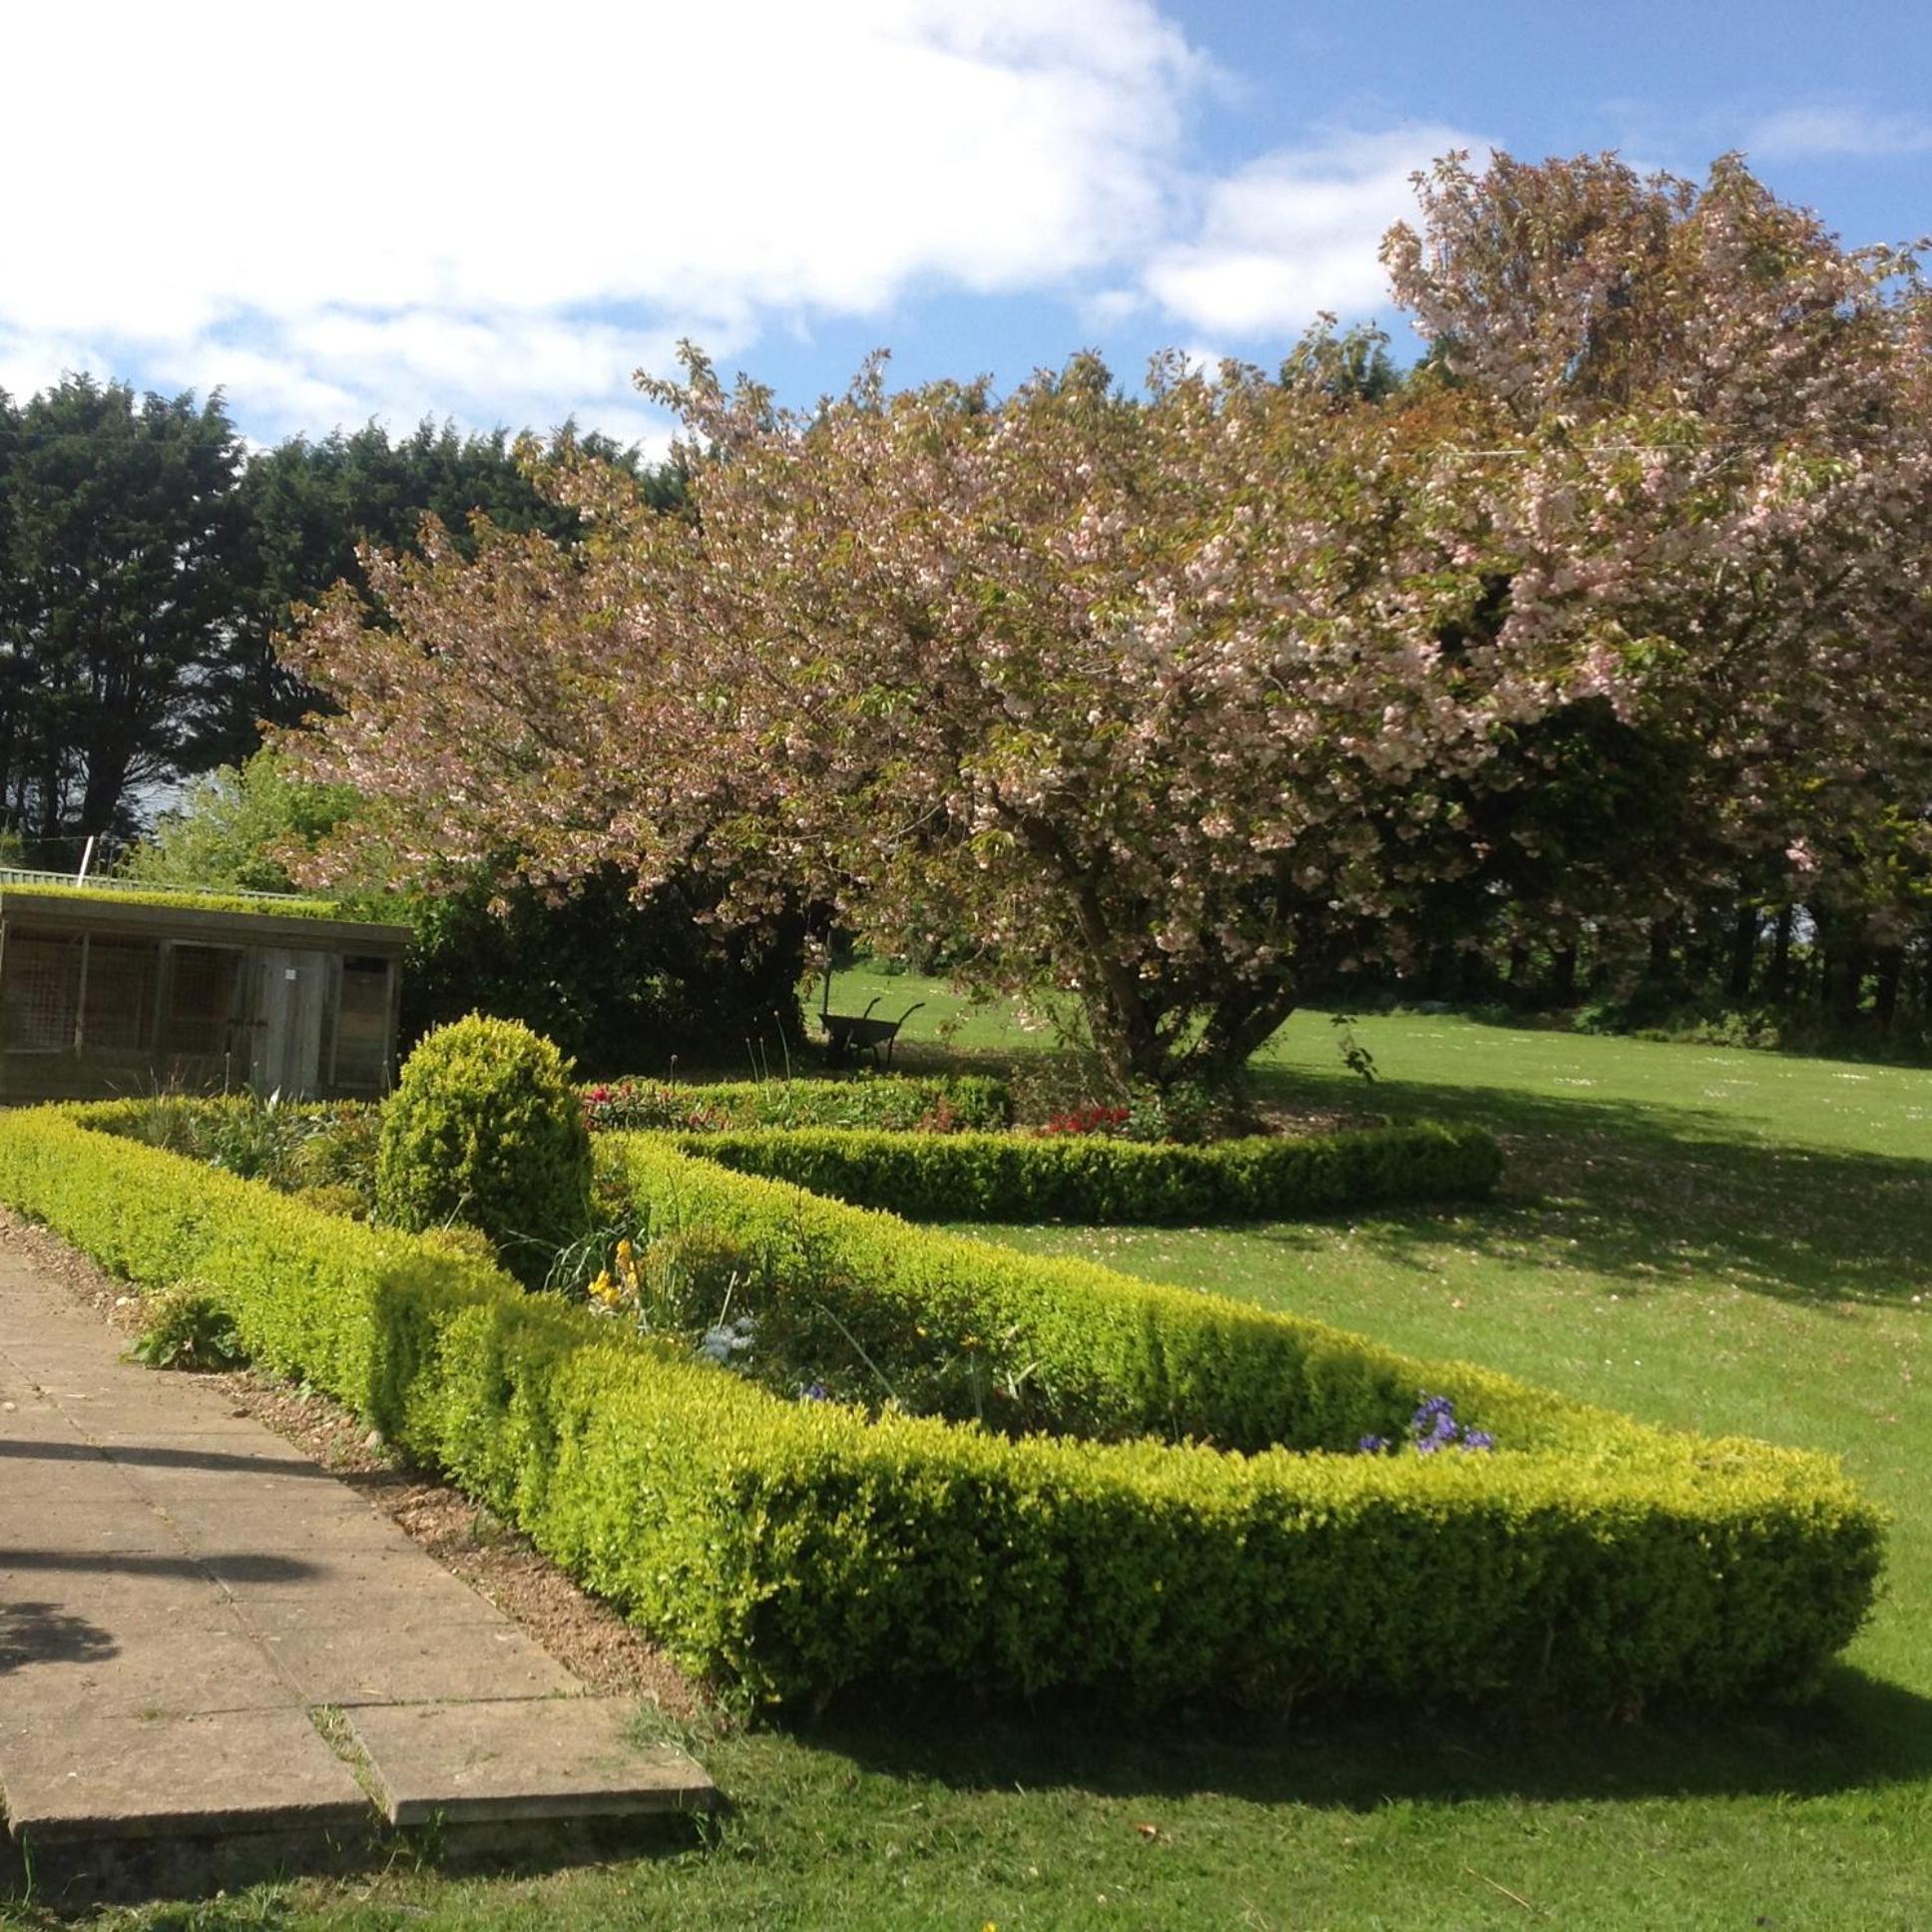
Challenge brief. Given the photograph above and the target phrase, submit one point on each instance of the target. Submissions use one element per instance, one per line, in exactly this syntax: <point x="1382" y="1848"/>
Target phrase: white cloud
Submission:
<point x="31" y="359"/>
<point x="412" y="208"/>
<point x="1296" y="232"/>
<point x="1839" y="130"/>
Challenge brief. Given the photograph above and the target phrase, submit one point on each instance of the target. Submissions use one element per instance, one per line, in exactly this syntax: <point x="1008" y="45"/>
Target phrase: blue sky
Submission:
<point x="497" y="213"/>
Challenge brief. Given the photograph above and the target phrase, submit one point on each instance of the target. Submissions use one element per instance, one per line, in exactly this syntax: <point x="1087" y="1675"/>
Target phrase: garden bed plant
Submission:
<point x="900" y="1103"/>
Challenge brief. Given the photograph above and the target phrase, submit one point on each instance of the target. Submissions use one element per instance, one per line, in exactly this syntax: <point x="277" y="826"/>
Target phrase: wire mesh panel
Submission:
<point x="118" y="1008"/>
<point x="363" y="1024"/>
<point x="40" y="992"/>
<point x="201" y="999"/>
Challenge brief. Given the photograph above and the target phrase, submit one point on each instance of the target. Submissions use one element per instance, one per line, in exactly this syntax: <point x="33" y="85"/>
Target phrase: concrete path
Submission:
<point x="201" y="1633"/>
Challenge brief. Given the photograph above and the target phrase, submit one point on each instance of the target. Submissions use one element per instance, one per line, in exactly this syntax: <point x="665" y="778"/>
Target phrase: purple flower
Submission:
<point x="817" y="1392"/>
<point x="1433" y="1426"/>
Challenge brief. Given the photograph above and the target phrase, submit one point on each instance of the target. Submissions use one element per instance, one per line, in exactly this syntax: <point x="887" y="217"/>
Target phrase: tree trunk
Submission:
<point x="1779" y="987"/>
<point x="1845" y="981"/>
<point x="1439" y="976"/>
<point x="1236" y="1032"/>
<point x="1891" y="970"/>
<point x="106" y="780"/>
<point x="1744" y="953"/>
<point x="1657" y="967"/>
<point x="1562" y="974"/>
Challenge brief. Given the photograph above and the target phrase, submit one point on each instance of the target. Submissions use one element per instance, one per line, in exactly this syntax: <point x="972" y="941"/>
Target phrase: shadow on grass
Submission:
<point x="1646" y="1191"/>
<point x="1651" y="1193"/>
<point x="1861" y="1733"/>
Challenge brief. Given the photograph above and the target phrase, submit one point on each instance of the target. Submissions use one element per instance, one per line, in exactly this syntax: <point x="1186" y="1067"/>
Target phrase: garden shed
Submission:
<point x="108" y="988"/>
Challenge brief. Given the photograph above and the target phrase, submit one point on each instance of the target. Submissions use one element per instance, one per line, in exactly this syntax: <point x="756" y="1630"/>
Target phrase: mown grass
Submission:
<point x="1714" y="1239"/>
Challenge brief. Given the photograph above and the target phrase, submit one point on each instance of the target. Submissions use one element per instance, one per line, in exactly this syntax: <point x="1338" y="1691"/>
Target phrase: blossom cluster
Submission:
<point x="620" y="1285"/>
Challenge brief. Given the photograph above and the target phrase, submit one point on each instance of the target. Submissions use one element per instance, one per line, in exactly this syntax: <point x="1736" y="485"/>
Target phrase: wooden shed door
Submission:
<point x="295" y="987"/>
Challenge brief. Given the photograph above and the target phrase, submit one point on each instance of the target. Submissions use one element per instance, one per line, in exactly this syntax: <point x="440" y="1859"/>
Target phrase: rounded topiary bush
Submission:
<point x="484" y="1128"/>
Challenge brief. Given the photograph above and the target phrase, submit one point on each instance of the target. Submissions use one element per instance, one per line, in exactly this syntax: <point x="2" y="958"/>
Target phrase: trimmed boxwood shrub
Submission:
<point x="484" y="1128"/>
<point x="1087" y="1178"/>
<point x="793" y="1548"/>
<point x="929" y="1104"/>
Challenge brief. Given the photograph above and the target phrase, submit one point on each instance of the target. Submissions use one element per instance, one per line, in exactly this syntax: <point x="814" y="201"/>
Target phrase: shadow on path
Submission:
<point x="34" y="1633"/>
<point x="148" y="1455"/>
<point x="240" y="1567"/>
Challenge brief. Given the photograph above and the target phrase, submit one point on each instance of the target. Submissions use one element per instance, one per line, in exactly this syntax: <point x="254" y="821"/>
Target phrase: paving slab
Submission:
<point x="395" y="1569"/>
<point x="426" y="1662"/>
<point x="486" y="1762"/>
<point x="105" y="1775"/>
<point x="451" y="1607"/>
<point x="63" y="1663"/>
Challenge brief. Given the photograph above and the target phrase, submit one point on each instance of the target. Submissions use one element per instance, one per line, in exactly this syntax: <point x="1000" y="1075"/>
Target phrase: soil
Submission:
<point x="583" y="1633"/>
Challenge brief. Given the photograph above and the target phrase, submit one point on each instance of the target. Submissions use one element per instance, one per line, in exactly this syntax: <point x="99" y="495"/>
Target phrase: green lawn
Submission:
<point x="1721" y="1240"/>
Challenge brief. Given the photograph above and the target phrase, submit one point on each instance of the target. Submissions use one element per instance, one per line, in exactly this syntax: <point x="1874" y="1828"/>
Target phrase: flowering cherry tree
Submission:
<point x="1176" y="703"/>
<point x="1724" y="438"/>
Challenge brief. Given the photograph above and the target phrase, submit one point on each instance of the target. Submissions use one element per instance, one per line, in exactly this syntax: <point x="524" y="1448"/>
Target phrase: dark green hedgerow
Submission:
<point x="1089" y="1178"/>
<point x="792" y="1548"/>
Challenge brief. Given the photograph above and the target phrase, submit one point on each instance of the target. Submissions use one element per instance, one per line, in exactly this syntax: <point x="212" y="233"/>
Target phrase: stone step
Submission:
<point x="496" y="1762"/>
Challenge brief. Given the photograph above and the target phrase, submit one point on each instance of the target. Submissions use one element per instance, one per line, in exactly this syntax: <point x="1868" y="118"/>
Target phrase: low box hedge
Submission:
<point x="1092" y="1352"/>
<point x="1090" y="1177"/>
<point x="931" y="1104"/>
<point x="793" y="1548"/>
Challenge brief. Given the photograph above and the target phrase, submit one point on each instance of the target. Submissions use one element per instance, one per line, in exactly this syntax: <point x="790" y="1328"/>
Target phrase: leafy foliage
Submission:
<point x="1164" y="710"/>
<point x="120" y="552"/>
<point x="186" y="1326"/>
<point x="240" y="825"/>
<point x="111" y="895"/>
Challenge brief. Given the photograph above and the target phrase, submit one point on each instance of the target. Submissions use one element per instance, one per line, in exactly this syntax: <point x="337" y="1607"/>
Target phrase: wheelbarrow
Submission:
<point x="847" y="1035"/>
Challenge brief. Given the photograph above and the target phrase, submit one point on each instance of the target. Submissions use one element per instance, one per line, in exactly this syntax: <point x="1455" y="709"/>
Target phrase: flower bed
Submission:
<point x="789" y="1547"/>
<point x="937" y="1104"/>
<point x="942" y="1324"/>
